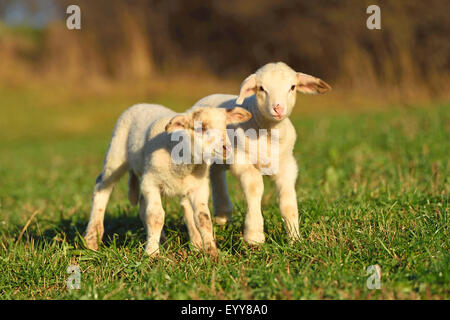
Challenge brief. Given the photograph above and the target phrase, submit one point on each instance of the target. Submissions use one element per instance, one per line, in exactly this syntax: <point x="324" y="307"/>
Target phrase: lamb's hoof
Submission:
<point x="153" y="252"/>
<point x="91" y="242"/>
<point x="197" y="244"/>
<point x="254" y="238"/>
<point x="293" y="238"/>
<point x="221" y="220"/>
<point x="212" y="251"/>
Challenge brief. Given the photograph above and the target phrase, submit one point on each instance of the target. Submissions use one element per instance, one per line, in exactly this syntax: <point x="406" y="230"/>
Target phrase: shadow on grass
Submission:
<point x="122" y="228"/>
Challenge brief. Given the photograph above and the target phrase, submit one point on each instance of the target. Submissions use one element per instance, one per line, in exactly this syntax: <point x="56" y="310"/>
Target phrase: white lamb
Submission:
<point x="269" y="94"/>
<point x="142" y="144"/>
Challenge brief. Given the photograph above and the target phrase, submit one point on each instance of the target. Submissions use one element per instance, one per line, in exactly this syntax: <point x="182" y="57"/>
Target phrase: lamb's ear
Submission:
<point x="237" y="114"/>
<point x="310" y="84"/>
<point x="179" y="122"/>
<point x="248" y="87"/>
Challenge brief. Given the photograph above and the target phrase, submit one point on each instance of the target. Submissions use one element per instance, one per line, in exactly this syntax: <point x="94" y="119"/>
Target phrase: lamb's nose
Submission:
<point x="278" y="109"/>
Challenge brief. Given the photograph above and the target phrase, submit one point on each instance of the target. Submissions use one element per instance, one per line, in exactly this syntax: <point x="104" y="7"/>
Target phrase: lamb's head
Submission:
<point x="207" y="129"/>
<point x="275" y="86"/>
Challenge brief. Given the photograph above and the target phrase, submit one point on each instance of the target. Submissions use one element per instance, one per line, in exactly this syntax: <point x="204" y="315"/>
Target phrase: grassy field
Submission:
<point x="372" y="189"/>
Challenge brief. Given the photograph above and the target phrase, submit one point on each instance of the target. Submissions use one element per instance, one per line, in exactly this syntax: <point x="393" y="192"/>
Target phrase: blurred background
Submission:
<point x="175" y="52"/>
<point x="143" y="44"/>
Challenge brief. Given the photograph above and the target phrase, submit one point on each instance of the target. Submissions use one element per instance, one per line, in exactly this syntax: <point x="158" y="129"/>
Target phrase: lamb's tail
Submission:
<point x="133" y="188"/>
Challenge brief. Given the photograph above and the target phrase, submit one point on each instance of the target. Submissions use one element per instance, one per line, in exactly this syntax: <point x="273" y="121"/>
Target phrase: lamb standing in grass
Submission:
<point x="142" y="144"/>
<point x="269" y="94"/>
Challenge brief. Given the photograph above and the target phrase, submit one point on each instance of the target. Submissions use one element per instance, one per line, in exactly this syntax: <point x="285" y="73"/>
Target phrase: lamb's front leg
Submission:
<point x="202" y="218"/>
<point x="142" y="210"/>
<point x="194" y="234"/>
<point x="153" y="215"/>
<point x="287" y="197"/>
<point x="253" y="186"/>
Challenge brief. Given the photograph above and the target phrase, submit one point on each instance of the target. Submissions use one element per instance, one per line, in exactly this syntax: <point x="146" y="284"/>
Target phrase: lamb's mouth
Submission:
<point x="278" y="116"/>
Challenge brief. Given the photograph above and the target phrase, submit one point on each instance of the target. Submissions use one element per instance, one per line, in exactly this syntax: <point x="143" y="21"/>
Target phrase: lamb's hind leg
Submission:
<point x="114" y="168"/>
<point x="223" y="208"/>
<point x="102" y="191"/>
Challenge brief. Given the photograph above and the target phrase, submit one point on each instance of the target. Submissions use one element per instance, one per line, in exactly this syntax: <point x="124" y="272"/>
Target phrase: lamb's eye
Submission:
<point x="293" y="87"/>
<point x="261" y="88"/>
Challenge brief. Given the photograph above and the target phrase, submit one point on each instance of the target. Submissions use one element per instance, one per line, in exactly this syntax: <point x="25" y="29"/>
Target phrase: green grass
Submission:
<point x="372" y="189"/>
